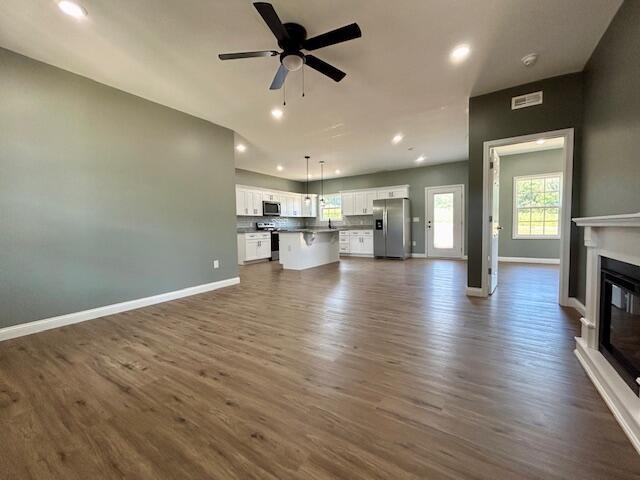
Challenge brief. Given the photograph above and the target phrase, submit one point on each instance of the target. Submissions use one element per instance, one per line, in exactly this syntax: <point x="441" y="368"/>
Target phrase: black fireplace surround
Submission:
<point x="619" y="336"/>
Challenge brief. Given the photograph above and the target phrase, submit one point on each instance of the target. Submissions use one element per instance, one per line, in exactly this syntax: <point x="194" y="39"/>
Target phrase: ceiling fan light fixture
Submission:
<point x="277" y="113"/>
<point x="293" y="61"/>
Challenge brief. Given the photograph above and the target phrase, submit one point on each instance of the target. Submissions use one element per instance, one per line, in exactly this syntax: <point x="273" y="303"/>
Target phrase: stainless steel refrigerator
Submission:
<point x="392" y="228"/>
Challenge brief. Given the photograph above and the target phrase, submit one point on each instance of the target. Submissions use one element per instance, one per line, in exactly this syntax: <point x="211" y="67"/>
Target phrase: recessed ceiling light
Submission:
<point x="540" y="141"/>
<point x="241" y="148"/>
<point x="460" y="53"/>
<point x="277" y="113"/>
<point x="421" y="159"/>
<point x="280" y="168"/>
<point x="397" y="138"/>
<point x="310" y="175"/>
<point x="72" y="9"/>
<point x="337" y="172"/>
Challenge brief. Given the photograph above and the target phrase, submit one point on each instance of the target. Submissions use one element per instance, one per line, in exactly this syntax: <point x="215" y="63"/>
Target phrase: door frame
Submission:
<point x="565" y="225"/>
<point x="461" y="186"/>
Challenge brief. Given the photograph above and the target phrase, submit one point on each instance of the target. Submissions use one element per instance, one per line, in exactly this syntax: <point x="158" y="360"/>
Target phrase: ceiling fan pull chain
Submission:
<point x="302" y="80"/>
<point x="284" y="94"/>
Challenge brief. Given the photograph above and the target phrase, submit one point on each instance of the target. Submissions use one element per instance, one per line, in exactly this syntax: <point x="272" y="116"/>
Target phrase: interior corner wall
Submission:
<point x="104" y="197"/>
<point x="610" y="171"/>
<point x="531" y="163"/>
<point x="491" y="118"/>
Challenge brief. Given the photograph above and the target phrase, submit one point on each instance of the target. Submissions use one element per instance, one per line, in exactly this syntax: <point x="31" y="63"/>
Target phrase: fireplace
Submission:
<point x="619" y="333"/>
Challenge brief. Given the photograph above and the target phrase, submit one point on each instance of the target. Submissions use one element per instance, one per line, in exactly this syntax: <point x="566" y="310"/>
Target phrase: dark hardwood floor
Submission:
<point x="363" y="370"/>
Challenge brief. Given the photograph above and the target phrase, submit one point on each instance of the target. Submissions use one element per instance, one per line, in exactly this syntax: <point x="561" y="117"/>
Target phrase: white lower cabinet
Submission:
<point x="253" y="246"/>
<point x="356" y="242"/>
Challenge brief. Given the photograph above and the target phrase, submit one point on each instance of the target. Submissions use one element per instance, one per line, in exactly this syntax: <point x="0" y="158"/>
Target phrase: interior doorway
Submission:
<point x="444" y="221"/>
<point x="532" y="222"/>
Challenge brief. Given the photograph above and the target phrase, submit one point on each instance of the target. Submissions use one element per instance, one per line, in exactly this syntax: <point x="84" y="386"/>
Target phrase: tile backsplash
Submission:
<point x="281" y="222"/>
<point x="351" y="221"/>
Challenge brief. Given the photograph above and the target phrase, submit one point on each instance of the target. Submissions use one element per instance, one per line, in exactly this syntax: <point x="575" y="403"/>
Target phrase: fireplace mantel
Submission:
<point x="624" y="220"/>
<point x="616" y="237"/>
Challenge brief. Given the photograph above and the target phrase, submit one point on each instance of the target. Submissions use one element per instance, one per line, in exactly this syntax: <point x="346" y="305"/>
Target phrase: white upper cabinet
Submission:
<point x="348" y="203"/>
<point x="369" y="197"/>
<point x="360" y="202"/>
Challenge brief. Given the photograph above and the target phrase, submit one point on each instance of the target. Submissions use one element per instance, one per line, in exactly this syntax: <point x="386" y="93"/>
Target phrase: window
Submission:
<point x="332" y="208"/>
<point x="536" y="206"/>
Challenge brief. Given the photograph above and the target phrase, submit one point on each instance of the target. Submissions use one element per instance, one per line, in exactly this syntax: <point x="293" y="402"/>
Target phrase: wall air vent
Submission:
<point x="528" y="100"/>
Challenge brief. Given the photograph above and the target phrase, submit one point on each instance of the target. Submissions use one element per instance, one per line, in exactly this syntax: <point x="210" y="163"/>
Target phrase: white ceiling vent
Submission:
<point x="528" y="100"/>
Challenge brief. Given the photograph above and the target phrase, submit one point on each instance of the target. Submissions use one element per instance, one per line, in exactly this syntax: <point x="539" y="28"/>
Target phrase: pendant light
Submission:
<point x="322" y="182"/>
<point x="307" y="199"/>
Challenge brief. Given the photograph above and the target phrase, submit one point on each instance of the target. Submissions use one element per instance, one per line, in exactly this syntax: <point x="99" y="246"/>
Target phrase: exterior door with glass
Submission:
<point x="444" y="221"/>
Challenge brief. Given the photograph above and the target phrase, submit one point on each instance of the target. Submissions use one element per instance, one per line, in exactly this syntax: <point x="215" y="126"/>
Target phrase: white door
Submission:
<point x="355" y="244"/>
<point x="445" y="221"/>
<point x="495" y="221"/>
<point x="348" y="207"/>
<point x="297" y="205"/>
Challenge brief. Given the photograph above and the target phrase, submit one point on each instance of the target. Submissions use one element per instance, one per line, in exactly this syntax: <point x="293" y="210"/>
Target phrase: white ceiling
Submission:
<point x="533" y="146"/>
<point x="399" y="78"/>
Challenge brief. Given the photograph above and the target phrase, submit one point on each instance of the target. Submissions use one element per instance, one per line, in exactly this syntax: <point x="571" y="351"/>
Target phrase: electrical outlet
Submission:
<point x="216" y="264"/>
<point x="413" y="243"/>
<point x="416" y="219"/>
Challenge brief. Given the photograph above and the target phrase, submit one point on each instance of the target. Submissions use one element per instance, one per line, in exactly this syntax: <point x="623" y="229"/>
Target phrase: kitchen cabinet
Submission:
<point x="393" y="193"/>
<point x="348" y="203"/>
<point x="248" y="202"/>
<point x="297" y="205"/>
<point x="360" y="202"/>
<point x="356" y="242"/>
<point x="253" y="246"/>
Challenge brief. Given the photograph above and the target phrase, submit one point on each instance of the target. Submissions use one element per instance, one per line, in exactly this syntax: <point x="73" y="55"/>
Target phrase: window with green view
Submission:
<point x="536" y="206"/>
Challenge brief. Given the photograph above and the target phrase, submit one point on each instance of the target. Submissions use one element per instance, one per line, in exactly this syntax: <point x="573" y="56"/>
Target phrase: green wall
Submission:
<point x="610" y="179"/>
<point x="532" y="163"/>
<point x="417" y="179"/>
<point x="104" y="197"/>
<point x="260" y="180"/>
<point x="491" y="118"/>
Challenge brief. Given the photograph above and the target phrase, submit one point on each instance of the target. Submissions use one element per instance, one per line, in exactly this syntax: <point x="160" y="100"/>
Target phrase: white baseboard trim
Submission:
<point x="77" y="317"/>
<point x="475" y="292"/>
<point x="618" y="397"/>
<point x="577" y="304"/>
<point x="546" y="261"/>
<point x="424" y="255"/>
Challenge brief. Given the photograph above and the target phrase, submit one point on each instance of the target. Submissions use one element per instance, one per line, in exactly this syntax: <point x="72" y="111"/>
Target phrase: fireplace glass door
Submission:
<point x="620" y="320"/>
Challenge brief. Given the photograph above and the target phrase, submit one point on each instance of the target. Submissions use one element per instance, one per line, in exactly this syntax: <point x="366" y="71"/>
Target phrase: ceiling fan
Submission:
<point x="292" y="39"/>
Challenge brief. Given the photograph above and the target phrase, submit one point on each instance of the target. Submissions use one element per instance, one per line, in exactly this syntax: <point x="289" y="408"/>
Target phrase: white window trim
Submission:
<point x="514" y="211"/>
<point x="320" y="209"/>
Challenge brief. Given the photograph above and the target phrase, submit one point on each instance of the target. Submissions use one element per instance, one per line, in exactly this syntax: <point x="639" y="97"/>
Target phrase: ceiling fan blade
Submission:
<point x="279" y="79"/>
<point x="233" y="56"/>
<point x="269" y="15"/>
<point x="324" y="68"/>
<point x="338" y="35"/>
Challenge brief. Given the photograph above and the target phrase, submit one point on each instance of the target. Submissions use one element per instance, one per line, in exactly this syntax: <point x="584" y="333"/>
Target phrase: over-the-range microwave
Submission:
<point x="271" y="209"/>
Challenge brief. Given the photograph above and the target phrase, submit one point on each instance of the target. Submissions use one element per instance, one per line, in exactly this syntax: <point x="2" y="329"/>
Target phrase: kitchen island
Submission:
<point x="307" y="248"/>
